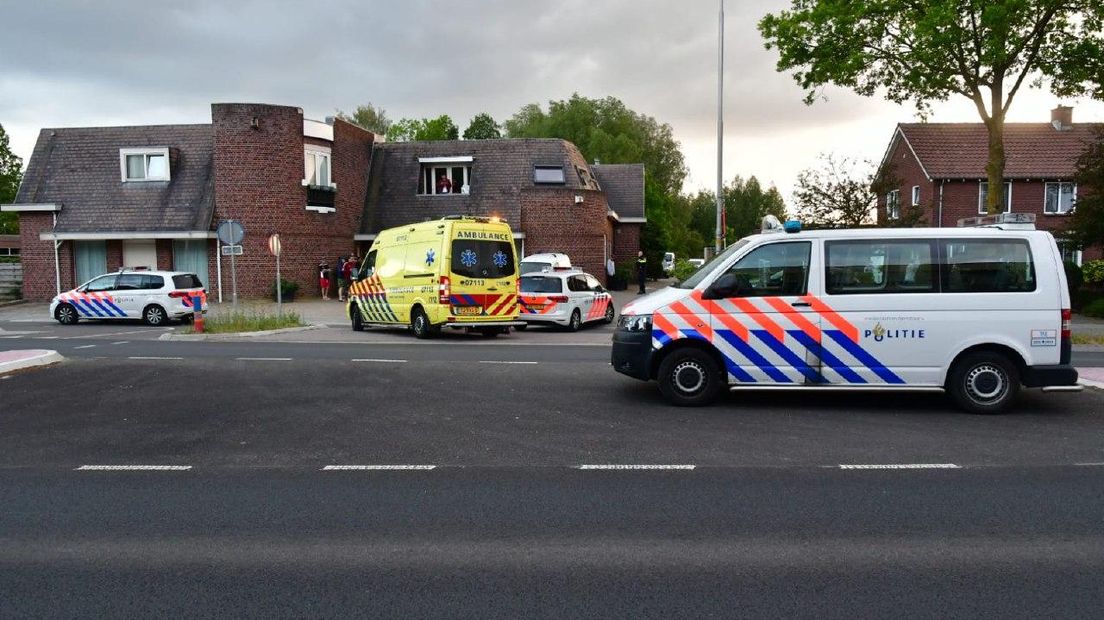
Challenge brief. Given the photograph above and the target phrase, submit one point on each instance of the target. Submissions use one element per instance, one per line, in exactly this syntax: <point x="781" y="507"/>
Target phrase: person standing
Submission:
<point x="324" y="279"/>
<point x="339" y="273"/>
<point x="641" y="270"/>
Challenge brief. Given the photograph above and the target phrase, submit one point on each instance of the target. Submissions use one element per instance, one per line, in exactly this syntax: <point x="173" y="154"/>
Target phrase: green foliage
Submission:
<point x="369" y="117"/>
<point x="482" y="127"/>
<point x="839" y="192"/>
<point x="234" y="322"/>
<point x="1087" y="227"/>
<point x="746" y="203"/>
<point x="683" y="269"/>
<point x="10" y="259"/>
<point x="1093" y="271"/>
<point x="408" y="130"/>
<point x="11" y="173"/>
<point x="287" y="288"/>
<point x="930" y="51"/>
<point x="1094" y="308"/>
<point x="1074" y="276"/>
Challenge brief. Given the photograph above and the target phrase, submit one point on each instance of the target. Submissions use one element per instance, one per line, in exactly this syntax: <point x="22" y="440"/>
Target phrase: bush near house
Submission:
<point x="1093" y="272"/>
<point x="683" y="269"/>
<point x="1094" y="308"/>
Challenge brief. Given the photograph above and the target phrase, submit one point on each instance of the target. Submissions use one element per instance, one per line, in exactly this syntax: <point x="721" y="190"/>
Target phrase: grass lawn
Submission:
<point x="234" y="322"/>
<point x="1088" y="339"/>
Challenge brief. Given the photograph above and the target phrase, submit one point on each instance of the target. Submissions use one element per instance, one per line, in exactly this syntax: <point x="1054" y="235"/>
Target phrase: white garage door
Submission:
<point x="140" y="254"/>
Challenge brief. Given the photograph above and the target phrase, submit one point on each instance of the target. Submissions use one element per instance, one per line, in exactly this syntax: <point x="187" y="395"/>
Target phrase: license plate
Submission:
<point x="536" y="307"/>
<point x="467" y="310"/>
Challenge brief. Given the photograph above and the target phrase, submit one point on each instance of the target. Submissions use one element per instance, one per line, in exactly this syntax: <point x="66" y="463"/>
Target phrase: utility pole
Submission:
<point x="719" y="241"/>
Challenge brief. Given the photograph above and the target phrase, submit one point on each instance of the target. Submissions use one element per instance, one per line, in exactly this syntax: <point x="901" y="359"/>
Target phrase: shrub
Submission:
<point x="1074" y="276"/>
<point x="287" y="289"/>
<point x="1094" y="308"/>
<point x="1093" y="271"/>
<point x="234" y="322"/>
<point x="683" y="269"/>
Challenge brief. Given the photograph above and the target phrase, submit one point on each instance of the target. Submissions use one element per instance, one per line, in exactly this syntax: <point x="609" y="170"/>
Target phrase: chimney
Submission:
<point x="329" y="120"/>
<point x="1061" y="118"/>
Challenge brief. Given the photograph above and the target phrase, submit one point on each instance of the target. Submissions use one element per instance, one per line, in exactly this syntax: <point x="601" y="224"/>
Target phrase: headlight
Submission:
<point x="635" y="323"/>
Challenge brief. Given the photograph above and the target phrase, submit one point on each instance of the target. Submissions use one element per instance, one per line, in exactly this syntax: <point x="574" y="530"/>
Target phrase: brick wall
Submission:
<point x="38" y="258"/>
<point x="626" y="242"/>
<point x="164" y="249"/>
<point x="902" y="165"/>
<point x="552" y="222"/>
<point x="114" y="249"/>
<point x="258" y="175"/>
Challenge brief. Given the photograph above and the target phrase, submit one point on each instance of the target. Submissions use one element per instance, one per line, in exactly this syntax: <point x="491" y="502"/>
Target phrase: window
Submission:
<point x="187" y="280"/>
<point x="1071" y="252"/>
<point x="482" y="259"/>
<point x="316" y="167"/>
<point x="144" y="164"/>
<point x="893" y="205"/>
<point x="129" y="282"/>
<point x="102" y="283"/>
<point x="541" y="284"/>
<point x="983" y="195"/>
<point x="1060" y="198"/>
<point x="368" y="266"/>
<point x="444" y="178"/>
<point x="549" y="175"/>
<point x="577" y="284"/>
<point x="916" y="195"/>
<point x="768" y="271"/>
<point x="987" y="266"/>
<point x="153" y="283"/>
<point x="593" y="283"/>
<point x="879" y="266"/>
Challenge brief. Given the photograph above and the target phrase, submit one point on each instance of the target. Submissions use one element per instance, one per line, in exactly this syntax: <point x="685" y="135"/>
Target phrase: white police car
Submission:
<point x="152" y="296"/>
<point x="564" y="297"/>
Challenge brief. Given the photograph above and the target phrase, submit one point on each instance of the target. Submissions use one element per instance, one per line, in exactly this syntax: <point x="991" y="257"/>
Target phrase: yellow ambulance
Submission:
<point x="458" y="272"/>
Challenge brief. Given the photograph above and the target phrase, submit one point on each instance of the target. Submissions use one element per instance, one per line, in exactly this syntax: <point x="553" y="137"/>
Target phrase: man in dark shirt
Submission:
<point x="641" y="270"/>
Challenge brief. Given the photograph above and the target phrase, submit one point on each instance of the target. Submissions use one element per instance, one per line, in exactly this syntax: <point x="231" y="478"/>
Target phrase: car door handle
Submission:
<point x="801" y="304"/>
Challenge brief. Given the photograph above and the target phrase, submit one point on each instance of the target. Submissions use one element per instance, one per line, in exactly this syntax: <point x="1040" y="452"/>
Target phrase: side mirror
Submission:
<point x="728" y="285"/>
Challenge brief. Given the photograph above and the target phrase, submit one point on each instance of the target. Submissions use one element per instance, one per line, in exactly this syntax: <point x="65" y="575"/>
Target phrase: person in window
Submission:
<point x="444" y="185"/>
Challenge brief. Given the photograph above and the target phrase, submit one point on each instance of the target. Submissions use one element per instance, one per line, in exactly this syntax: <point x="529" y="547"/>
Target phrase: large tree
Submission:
<point x="924" y="51"/>
<point x="1088" y="217"/>
<point x="369" y="117"/>
<point x="482" y="127"/>
<point x="11" y="172"/>
<point x="837" y="192"/>
<point x="408" y="130"/>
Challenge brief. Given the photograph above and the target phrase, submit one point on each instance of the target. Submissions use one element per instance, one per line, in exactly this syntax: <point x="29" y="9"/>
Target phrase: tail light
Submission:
<point x="444" y="290"/>
<point x="1067" y="321"/>
<point x="179" y="294"/>
<point x="560" y="299"/>
<point x="1066" y="350"/>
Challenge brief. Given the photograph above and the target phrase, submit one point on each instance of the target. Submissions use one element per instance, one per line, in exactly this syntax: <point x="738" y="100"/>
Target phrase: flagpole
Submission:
<point x="719" y="240"/>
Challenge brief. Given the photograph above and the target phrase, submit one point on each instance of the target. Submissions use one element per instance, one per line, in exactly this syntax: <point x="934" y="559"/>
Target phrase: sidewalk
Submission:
<point x="10" y="361"/>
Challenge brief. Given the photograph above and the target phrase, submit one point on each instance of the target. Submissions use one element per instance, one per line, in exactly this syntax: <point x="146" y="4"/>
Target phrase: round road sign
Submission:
<point x="230" y="232"/>
<point x="274" y="244"/>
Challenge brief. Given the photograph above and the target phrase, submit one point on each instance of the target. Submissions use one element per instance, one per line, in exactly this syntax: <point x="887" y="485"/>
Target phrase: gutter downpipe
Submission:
<point x="941" y="182"/>
<point x="57" y="261"/>
<point x="218" y="266"/>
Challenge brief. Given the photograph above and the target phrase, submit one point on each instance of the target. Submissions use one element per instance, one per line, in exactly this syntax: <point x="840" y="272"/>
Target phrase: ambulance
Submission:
<point x="458" y="272"/>
<point x="977" y="311"/>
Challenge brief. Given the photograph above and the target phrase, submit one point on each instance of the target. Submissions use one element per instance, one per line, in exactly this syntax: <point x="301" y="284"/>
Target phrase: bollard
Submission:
<point x="197" y="314"/>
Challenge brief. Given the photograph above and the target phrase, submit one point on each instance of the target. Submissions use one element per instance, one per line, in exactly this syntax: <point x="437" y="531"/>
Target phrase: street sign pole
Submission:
<point x="274" y="247"/>
<point x="234" y="280"/>
<point x="231" y="232"/>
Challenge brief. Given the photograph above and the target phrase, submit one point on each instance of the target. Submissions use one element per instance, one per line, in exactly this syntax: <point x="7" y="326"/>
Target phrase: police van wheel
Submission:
<point x="358" y="321"/>
<point x="610" y="314"/>
<point x="690" y="378"/>
<point x="576" y="321"/>
<point x="66" y="314"/>
<point x="419" y="324"/>
<point x="154" y="315"/>
<point x="984" y="382"/>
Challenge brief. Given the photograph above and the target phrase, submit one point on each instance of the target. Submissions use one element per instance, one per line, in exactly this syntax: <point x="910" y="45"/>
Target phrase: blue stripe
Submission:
<point x="659" y="335"/>
<point x="116" y="308"/>
<point x="80" y="310"/>
<point x="867" y="359"/>
<point x="101" y="306"/>
<point x="89" y="306"/>
<point x="793" y="359"/>
<point x="730" y="365"/>
<point x="827" y="358"/>
<point x="471" y="300"/>
<point x="753" y="356"/>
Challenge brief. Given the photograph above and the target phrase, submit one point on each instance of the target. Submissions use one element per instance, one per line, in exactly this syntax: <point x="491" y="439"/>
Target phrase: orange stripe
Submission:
<point x="835" y="319"/>
<point x="694" y="320"/>
<point x="762" y="319"/>
<point x="793" y="315"/>
<point x="722" y="315"/>
<point x="665" y="326"/>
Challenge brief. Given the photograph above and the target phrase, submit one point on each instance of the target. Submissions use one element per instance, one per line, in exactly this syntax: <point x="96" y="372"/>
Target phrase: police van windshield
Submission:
<point x="530" y="267"/>
<point x="707" y="268"/>
<point x="482" y="259"/>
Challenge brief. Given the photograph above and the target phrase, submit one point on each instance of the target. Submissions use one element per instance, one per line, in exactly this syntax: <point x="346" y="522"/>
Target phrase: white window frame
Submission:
<point x="916" y="195"/>
<point x="893" y="205"/>
<point x="1007" y="197"/>
<point x="445" y="164"/>
<point x="1073" y="197"/>
<point x="145" y="152"/>
<point x="539" y="168"/>
<point x="318" y="152"/>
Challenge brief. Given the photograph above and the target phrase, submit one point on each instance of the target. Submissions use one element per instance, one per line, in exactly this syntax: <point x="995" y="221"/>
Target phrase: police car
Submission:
<point x="977" y="311"/>
<point x="152" y="296"/>
<point x="564" y="297"/>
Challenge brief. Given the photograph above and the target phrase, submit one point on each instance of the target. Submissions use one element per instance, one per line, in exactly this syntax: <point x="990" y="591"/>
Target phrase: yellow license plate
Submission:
<point x="536" y="307"/>
<point x="467" y="310"/>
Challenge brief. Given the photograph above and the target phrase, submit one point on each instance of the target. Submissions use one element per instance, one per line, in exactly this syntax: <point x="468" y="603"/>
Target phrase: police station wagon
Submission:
<point x="976" y="311"/>
<point x="152" y="296"/>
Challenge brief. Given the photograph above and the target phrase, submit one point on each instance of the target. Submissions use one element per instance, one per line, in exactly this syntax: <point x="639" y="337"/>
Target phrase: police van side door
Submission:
<point x="580" y="294"/>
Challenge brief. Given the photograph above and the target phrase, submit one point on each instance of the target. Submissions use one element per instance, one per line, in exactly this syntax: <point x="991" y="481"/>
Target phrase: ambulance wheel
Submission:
<point x="358" y="321"/>
<point x="576" y="321"/>
<point x="984" y="382"/>
<point x="66" y="315"/>
<point x="490" y="332"/>
<point x="521" y="327"/>
<point x="610" y="314"/>
<point x="690" y="378"/>
<point x="419" y="324"/>
<point x="154" y="315"/>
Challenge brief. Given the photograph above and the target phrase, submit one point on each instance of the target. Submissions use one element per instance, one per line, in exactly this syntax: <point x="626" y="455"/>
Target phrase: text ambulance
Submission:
<point x="457" y="271"/>
<point x="977" y="311"/>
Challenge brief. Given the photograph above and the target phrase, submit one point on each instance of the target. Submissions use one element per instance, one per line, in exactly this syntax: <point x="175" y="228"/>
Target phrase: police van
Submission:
<point x="458" y="272"/>
<point x="977" y="311"/>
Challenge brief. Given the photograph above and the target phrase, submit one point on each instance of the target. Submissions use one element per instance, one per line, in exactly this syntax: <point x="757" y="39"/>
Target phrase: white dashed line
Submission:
<point x="143" y="331"/>
<point x="152" y="357"/>
<point x="378" y="467"/>
<point x="380" y="361"/>
<point x="133" y="468"/>
<point x="683" y="467"/>
<point x="503" y="362"/>
<point x="85" y="346"/>
<point x="1089" y="464"/>
<point x="122" y="342"/>
<point x="263" y="359"/>
<point x="904" y="466"/>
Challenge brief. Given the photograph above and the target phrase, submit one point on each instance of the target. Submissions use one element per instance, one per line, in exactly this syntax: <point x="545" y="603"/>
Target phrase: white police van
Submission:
<point x="977" y="311"/>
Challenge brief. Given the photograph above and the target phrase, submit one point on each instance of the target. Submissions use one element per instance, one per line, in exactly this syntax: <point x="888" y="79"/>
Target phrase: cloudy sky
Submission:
<point x="79" y="63"/>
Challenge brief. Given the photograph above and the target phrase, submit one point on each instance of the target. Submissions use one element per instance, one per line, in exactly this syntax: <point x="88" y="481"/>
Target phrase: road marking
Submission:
<point x="263" y="359"/>
<point x="10" y="337"/>
<point x="85" y="346"/>
<point x="684" y="467"/>
<point x="152" y="357"/>
<point x="48" y="337"/>
<point x="133" y="468"/>
<point x="143" y="331"/>
<point x="381" y="361"/>
<point x="503" y="362"/>
<point x="378" y="467"/>
<point x="1089" y="464"/>
<point x="121" y="342"/>
<point x="904" y="466"/>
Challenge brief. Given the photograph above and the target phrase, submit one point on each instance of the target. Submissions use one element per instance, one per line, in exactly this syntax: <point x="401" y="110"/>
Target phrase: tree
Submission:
<point x="923" y="51"/>
<point x="1087" y="228"/>
<point x="368" y="117"/>
<point x="11" y="173"/>
<point x="746" y="204"/>
<point x="407" y="130"/>
<point x="838" y="193"/>
<point x="482" y="127"/>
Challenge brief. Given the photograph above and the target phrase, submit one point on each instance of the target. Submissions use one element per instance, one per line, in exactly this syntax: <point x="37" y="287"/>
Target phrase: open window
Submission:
<point x="144" y="164"/>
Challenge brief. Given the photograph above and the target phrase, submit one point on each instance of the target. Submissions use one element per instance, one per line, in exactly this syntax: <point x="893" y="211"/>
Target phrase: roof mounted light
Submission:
<point x="770" y="224"/>
<point x="1016" y="220"/>
<point x="792" y="226"/>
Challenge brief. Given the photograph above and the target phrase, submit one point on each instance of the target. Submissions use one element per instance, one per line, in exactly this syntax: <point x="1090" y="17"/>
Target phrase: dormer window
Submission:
<point x="548" y="175"/>
<point x="445" y="175"/>
<point x="316" y="167"/>
<point x="145" y="164"/>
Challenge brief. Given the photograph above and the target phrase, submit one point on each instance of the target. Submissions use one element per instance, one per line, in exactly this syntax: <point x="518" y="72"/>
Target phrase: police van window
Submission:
<point x="153" y="283"/>
<point x="879" y="266"/>
<point x="987" y="266"/>
<point x="187" y="280"/>
<point x="541" y="284"/>
<point x="128" y="282"/>
<point x="577" y="284"/>
<point x="482" y="259"/>
<point x="102" y="283"/>
<point x="592" y="283"/>
<point x="368" y="267"/>
<point x="769" y="271"/>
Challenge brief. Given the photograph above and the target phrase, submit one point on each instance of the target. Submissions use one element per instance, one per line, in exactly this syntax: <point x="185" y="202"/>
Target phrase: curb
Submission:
<point x="1092" y="384"/>
<point x="43" y="358"/>
<point x="12" y="302"/>
<point x="229" y="335"/>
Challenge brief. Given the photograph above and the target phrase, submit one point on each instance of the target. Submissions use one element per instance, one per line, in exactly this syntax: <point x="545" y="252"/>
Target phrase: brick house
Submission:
<point x="941" y="169"/>
<point x="553" y="200"/>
